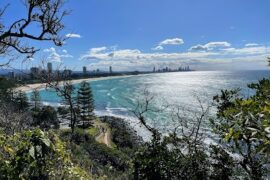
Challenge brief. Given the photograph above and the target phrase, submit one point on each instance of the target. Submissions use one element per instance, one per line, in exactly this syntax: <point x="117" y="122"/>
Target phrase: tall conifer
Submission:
<point x="85" y="103"/>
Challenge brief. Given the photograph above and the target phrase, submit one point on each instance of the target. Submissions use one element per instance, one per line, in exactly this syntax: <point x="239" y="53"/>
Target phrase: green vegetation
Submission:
<point x="45" y="118"/>
<point x="243" y="124"/>
<point x="36" y="155"/>
<point x="21" y="101"/>
<point x="35" y="98"/>
<point x="85" y="103"/>
<point x="101" y="160"/>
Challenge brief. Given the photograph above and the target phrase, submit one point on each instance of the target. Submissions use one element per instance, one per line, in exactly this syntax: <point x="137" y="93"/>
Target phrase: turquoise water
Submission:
<point x="119" y="96"/>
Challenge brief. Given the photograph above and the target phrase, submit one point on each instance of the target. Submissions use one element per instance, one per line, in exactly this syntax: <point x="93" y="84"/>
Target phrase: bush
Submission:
<point x="104" y="160"/>
<point x="45" y="118"/>
<point x="243" y="124"/>
<point x="36" y="155"/>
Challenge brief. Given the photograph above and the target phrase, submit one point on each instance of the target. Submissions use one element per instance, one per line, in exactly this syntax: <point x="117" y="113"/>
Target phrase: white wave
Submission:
<point x="119" y="108"/>
<point x="54" y="104"/>
<point x="113" y="89"/>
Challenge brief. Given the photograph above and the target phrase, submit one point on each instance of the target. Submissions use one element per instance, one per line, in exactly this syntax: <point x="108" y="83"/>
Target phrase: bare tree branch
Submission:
<point x="47" y="14"/>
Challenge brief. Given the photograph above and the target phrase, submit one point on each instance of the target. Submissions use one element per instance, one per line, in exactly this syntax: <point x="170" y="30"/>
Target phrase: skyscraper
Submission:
<point x="34" y="72"/>
<point x="49" y="67"/>
<point x="84" y="70"/>
<point x="11" y="75"/>
<point x="110" y="69"/>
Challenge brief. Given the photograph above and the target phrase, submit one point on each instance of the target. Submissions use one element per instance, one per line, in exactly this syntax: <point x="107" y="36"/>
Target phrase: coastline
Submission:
<point x="31" y="87"/>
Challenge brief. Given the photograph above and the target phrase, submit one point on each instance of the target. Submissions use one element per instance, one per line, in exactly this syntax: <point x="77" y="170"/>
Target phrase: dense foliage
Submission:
<point x="164" y="159"/>
<point x="45" y="118"/>
<point x="244" y="126"/>
<point x="36" y="155"/>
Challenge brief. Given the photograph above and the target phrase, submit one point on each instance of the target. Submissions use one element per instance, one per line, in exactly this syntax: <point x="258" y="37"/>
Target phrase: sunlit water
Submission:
<point x="118" y="97"/>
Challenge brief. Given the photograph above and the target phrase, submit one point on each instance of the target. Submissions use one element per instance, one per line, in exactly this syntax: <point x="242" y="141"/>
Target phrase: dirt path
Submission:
<point x="104" y="135"/>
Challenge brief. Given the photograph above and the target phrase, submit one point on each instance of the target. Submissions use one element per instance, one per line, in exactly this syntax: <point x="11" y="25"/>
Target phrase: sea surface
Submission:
<point x="181" y="92"/>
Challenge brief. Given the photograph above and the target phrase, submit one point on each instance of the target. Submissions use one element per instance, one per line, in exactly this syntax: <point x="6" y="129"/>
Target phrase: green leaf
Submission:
<point x="46" y="141"/>
<point x="32" y="152"/>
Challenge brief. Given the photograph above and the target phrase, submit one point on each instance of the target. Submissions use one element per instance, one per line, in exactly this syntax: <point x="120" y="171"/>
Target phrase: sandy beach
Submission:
<point x="31" y="87"/>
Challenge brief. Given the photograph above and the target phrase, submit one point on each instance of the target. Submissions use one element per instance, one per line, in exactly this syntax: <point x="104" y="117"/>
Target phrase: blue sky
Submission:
<point x="140" y="34"/>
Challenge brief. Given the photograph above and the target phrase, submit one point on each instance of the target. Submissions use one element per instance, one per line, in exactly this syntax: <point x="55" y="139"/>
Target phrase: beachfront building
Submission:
<point x="49" y="67"/>
<point x="110" y="69"/>
<point x="84" y="70"/>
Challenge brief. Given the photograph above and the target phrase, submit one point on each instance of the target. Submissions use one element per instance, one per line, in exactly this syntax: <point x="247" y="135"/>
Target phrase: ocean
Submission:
<point x="183" y="91"/>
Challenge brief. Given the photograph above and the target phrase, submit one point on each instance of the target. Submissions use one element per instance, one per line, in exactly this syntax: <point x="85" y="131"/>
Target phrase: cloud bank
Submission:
<point x="212" y="53"/>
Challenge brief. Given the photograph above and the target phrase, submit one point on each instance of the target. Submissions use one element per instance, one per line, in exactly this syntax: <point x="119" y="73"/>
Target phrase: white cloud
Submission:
<point x="135" y="54"/>
<point x="157" y="48"/>
<point x="52" y="49"/>
<point x="251" y="44"/>
<point x="98" y="49"/>
<point x="71" y="35"/>
<point x="131" y="59"/>
<point x="258" y="50"/>
<point x="198" y="47"/>
<point x="210" y="46"/>
<point x="55" y="56"/>
<point x="174" y="41"/>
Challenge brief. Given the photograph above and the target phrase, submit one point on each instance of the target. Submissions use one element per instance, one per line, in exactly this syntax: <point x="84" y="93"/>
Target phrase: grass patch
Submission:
<point x="93" y="131"/>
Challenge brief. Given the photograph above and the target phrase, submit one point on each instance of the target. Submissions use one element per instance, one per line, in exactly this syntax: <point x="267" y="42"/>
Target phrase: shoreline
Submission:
<point x="39" y="86"/>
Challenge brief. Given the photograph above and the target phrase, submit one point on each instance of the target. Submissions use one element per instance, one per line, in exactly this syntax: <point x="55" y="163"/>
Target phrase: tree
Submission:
<point x="85" y="103"/>
<point x="62" y="85"/>
<point x="12" y="120"/>
<point x="35" y="98"/>
<point x="243" y="126"/>
<point x="6" y="90"/>
<point x="46" y="15"/>
<point x="46" y="118"/>
<point x="21" y="100"/>
<point x="181" y="154"/>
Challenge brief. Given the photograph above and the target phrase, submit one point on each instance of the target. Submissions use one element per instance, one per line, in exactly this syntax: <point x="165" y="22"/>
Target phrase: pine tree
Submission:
<point x="21" y="100"/>
<point x="85" y="103"/>
<point x="35" y="98"/>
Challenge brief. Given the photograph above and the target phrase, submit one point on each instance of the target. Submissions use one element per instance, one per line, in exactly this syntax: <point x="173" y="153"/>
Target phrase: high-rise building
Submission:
<point x="84" y="70"/>
<point x="154" y="69"/>
<point x="49" y="67"/>
<point x="11" y="75"/>
<point x="34" y="72"/>
<point x="67" y="72"/>
<point x="110" y="69"/>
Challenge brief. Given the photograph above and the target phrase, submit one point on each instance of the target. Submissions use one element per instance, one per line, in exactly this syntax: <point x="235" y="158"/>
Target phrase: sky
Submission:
<point x="142" y="34"/>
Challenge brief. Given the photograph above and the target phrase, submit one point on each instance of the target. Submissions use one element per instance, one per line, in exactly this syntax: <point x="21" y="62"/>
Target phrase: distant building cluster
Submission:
<point x="167" y="69"/>
<point x="35" y="72"/>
